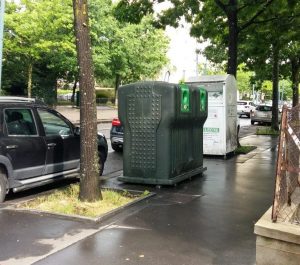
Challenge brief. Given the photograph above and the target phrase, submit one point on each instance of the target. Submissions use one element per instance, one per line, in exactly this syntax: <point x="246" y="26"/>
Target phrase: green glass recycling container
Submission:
<point x="163" y="131"/>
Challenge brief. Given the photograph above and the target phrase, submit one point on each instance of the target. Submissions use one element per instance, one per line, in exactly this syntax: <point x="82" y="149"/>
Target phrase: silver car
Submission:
<point x="263" y="114"/>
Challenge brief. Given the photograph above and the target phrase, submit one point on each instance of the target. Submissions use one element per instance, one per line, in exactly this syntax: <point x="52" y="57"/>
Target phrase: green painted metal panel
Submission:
<point x="163" y="132"/>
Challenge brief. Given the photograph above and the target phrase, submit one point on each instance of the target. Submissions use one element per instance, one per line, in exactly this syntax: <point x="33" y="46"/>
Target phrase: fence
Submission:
<point x="286" y="204"/>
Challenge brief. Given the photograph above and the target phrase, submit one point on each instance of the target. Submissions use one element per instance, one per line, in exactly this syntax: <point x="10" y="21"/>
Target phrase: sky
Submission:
<point x="182" y="52"/>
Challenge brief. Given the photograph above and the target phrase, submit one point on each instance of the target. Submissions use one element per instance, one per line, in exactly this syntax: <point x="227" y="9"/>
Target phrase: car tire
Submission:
<point x="3" y="185"/>
<point x="252" y="122"/>
<point x="101" y="162"/>
<point x="116" y="148"/>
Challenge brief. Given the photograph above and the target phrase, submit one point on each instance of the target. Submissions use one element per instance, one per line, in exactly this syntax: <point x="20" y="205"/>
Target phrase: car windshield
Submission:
<point x="264" y="108"/>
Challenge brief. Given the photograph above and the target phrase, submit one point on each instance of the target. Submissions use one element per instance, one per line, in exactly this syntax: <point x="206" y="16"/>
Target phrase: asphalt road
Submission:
<point x="114" y="163"/>
<point x="245" y="123"/>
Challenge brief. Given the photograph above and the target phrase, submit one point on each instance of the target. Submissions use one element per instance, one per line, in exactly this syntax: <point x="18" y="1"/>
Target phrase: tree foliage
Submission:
<point x="39" y="33"/>
<point x="39" y="39"/>
<point x="124" y="51"/>
<point x="217" y="21"/>
<point x="239" y="31"/>
<point x="266" y="50"/>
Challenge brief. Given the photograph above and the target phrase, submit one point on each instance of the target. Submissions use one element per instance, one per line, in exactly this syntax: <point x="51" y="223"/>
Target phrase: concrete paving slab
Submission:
<point x="26" y="238"/>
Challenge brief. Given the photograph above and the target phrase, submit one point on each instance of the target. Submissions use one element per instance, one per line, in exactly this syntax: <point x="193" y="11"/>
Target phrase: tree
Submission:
<point x="38" y="33"/>
<point x="263" y="48"/>
<point x="292" y="56"/>
<point x="244" y="80"/>
<point x="125" y="52"/>
<point x="220" y="22"/>
<point x="89" y="171"/>
<point x="115" y="46"/>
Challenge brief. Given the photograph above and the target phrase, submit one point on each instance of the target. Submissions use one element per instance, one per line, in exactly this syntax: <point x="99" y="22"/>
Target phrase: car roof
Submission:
<point x="16" y="101"/>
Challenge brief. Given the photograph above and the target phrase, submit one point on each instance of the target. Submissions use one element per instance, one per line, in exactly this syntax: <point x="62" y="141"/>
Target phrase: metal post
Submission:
<point x="2" y="7"/>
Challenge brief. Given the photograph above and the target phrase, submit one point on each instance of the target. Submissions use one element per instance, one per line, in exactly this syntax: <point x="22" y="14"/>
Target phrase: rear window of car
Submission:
<point x="264" y="108"/>
<point x="20" y="122"/>
<point x="241" y="103"/>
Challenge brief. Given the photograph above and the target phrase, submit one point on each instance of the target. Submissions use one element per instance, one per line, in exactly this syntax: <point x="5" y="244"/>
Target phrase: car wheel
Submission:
<point x="3" y="186"/>
<point x="116" y="148"/>
<point x="252" y="122"/>
<point x="101" y="162"/>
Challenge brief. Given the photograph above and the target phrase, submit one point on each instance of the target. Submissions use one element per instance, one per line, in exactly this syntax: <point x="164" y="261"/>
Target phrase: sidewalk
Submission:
<point x="208" y="220"/>
<point x="104" y="113"/>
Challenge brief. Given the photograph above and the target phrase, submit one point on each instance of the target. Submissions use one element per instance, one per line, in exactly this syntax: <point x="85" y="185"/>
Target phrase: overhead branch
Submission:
<point x="289" y="18"/>
<point x="221" y="5"/>
<point x="259" y="12"/>
<point x="242" y="7"/>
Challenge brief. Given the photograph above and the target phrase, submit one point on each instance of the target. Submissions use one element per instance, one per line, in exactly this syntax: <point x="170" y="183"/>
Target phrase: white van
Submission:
<point x="245" y="107"/>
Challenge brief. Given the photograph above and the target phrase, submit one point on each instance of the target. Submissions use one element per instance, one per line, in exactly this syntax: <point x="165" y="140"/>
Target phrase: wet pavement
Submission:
<point x="206" y="220"/>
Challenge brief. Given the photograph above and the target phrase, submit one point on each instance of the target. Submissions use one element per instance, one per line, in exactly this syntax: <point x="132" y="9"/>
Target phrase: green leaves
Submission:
<point x="125" y="50"/>
<point x="40" y="32"/>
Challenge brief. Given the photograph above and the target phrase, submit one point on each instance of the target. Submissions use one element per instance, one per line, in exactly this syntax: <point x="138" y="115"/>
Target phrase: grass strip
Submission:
<point x="266" y="131"/>
<point x="245" y="149"/>
<point x="65" y="201"/>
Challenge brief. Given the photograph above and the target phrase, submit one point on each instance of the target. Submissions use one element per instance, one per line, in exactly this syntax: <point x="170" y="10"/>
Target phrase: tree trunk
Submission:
<point x="89" y="161"/>
<point x="29" y="83"/>
<point x="275" y="80"/>
<point x="233" y="37"/>
<point x="117" y="84"/>
<point x="295" y="63"/>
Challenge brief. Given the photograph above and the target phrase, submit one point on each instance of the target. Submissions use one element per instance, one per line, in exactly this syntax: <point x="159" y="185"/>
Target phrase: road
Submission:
<point x="114" y="163"/>
<point x="245" y="123"/>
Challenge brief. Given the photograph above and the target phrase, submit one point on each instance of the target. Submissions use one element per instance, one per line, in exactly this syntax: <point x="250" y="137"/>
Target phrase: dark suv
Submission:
<point x="37" y="145"/>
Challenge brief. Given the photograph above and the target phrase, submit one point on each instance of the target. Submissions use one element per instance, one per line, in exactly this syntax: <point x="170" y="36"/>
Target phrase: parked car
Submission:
<point x="37" y="145"/>
<point x="245" y="108"/>
<point x="116" y="135"/>
<point x="263" y="114"/>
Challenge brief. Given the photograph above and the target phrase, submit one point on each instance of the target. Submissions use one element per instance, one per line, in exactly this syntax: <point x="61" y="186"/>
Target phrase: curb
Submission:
<point x="92" y="220"/>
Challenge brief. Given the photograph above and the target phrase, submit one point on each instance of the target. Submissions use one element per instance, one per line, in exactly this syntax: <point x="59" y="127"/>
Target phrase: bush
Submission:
<point x="105" y="93"/>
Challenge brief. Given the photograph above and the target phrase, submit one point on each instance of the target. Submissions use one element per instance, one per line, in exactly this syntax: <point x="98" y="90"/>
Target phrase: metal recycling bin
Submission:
<point x="163" y="131"/>
<point x="220" y="128"/>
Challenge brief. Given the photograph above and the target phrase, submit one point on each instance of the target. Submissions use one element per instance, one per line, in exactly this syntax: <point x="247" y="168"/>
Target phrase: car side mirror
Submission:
<point x="77" y="130"/>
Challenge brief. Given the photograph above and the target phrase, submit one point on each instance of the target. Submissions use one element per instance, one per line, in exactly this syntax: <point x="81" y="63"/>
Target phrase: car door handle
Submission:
<point x="11" y="147"/>
<point x="51" y="144"/>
